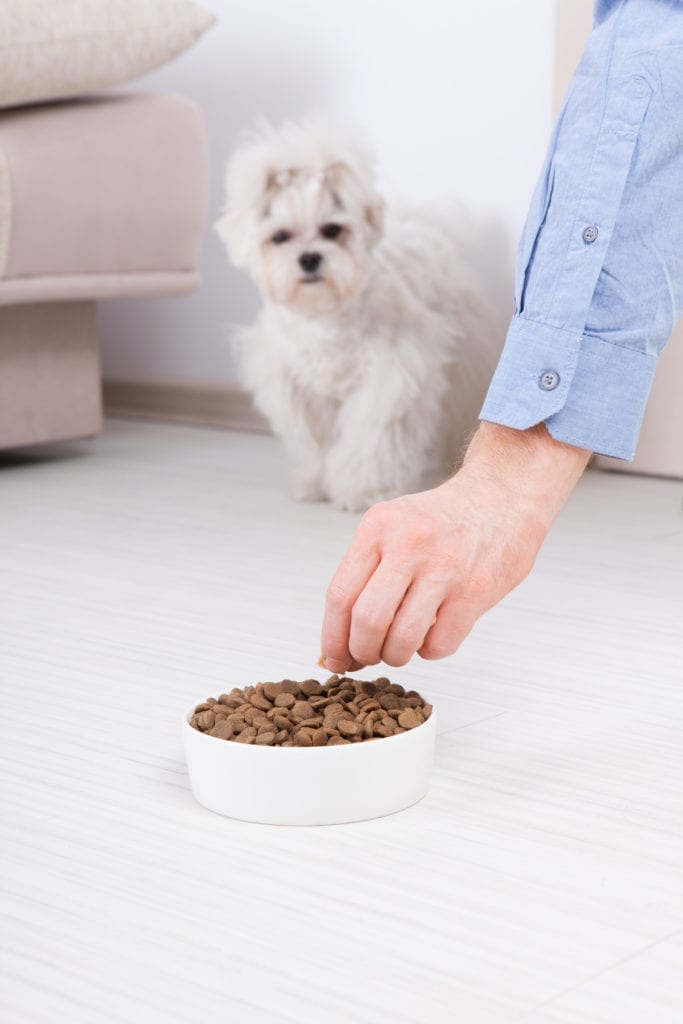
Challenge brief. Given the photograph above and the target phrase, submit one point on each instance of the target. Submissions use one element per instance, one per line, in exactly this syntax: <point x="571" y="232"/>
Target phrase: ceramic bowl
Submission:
<point x="310" y="785"/>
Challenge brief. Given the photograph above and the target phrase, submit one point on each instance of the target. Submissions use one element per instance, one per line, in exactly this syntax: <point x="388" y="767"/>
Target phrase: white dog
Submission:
<point x="377" y="338"/>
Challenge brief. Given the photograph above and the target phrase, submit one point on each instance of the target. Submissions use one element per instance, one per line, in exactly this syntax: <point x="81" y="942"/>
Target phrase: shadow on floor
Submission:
<point x="60" y="451"/>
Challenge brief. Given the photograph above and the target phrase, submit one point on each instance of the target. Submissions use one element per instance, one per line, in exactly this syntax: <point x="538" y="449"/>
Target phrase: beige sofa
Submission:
<point x="99" y="198"/>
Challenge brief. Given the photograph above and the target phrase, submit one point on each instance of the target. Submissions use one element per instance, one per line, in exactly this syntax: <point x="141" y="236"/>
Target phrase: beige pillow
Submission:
<point x="51" y="49"/>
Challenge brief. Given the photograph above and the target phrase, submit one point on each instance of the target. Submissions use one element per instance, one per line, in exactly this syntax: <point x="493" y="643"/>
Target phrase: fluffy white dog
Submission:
<point x="378" y="335"/>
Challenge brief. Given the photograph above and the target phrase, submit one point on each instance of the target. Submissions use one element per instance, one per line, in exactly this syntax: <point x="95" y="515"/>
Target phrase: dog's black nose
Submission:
<point x="310" y="261"/>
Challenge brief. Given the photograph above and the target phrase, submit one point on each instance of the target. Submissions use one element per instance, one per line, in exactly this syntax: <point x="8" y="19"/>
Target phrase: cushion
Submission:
<point x="101" y="197"/>
<point x="53" y="49"/>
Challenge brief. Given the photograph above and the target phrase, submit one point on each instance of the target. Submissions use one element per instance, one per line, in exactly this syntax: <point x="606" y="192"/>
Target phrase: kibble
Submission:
<point x="265" y="739"/>
<point x="310" y="688"/>
<point x="410" y="718"/>
<point x="260" y="701"/>
<point x="206" y="720"/>
<point x="348" y="729"/>
<point x="229" y="700"/>
<point x="312" y="714"/>
<point x="222" y="729"/>
<point x="300" y="711"/>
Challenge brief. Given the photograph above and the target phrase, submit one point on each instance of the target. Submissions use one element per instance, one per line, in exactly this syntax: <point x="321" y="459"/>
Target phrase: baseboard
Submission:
<point x="203" y="404"/>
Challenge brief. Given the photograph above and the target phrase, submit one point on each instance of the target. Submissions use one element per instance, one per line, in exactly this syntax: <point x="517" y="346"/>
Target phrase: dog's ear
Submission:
<point x="374" y="218"/>
<point x="232" y="228"/>
<point x="246" y="186"/>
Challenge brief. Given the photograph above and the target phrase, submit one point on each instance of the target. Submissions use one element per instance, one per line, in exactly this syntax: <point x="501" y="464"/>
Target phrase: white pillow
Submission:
<point x="52" y="49"/>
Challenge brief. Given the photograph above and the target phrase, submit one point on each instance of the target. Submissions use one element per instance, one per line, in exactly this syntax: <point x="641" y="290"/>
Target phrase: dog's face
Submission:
<point x="306" y="234"/>
<point x="313" y="246"/>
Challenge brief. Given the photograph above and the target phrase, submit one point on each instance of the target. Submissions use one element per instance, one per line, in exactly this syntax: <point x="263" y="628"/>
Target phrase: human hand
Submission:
<point x="421" y="569"/>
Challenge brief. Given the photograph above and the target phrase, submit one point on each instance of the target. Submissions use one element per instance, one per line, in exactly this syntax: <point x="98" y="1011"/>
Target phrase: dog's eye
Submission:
<point x="280" y="236"/>
<point x="331" y="230"/>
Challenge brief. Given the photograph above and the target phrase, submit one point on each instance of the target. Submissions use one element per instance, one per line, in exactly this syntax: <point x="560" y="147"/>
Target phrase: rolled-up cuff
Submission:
<point x="588" y="391"/>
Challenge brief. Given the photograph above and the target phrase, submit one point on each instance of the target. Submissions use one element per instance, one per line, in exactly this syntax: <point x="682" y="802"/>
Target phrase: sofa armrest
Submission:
<point x="101" y="197"/>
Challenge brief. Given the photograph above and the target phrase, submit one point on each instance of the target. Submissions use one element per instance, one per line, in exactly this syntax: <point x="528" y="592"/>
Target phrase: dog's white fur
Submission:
<point x="377" y="362"/>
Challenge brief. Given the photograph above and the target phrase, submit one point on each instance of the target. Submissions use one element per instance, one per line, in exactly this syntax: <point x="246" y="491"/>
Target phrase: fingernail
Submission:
<point x="336" y="666"/>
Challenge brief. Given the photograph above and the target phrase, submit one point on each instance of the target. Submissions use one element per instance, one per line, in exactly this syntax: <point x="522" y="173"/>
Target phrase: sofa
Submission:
<point x="99" y="197"/>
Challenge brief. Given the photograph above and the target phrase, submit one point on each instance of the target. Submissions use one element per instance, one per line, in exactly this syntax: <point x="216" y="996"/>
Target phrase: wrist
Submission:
<point x="529" y="468"/>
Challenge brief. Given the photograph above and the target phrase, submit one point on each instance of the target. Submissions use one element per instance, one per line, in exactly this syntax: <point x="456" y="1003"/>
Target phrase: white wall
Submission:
<point x="455" y="95"/>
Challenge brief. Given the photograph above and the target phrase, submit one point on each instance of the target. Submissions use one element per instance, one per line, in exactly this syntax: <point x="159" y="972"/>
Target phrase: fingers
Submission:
<point x="412" y="622"/>
<point x="374" y="612"/>
<point x="454" y="621"/>
<point x="351" y="577"/>
<point x="392" y="596"/>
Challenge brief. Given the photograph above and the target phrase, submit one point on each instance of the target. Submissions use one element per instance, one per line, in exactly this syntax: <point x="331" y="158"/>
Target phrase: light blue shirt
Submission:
<point x="599" y="278"/>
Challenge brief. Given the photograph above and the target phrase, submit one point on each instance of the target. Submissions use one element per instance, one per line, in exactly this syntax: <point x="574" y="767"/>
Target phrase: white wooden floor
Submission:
<point x="540" y="881"/>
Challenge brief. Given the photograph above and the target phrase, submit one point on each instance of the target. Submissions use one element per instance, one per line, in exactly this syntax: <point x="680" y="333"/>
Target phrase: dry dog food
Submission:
<point x="311" y="714"/>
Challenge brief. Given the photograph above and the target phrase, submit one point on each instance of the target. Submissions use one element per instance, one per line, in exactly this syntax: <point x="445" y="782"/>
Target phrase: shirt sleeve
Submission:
<point x="599" y="274"/>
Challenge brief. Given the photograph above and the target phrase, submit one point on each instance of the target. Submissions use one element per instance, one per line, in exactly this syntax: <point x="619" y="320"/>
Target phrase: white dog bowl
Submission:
<point x="310" y="785"/>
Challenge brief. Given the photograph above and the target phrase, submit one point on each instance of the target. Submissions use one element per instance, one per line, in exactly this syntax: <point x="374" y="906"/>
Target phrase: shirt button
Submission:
<point x="590" y="234"/>
<point x="549" y="380"/>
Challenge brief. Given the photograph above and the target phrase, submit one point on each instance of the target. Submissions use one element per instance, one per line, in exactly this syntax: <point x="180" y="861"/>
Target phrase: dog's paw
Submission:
<point x="359" y="501"/>
<point x="308" y="489"/>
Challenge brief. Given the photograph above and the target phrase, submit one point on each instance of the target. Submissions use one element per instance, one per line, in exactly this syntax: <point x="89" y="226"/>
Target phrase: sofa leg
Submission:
<point x="49" y="373"/>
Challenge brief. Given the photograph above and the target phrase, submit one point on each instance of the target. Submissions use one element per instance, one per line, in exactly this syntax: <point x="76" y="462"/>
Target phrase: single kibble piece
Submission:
<point x="206" y="720"/>
<point x="229" y="700"/>
<point x="222" y="730"/>
<point x="260" y="701"/>
<point x="389" y="701"/>
<point x="301" y="710"/>
<point x="334" y="710"/>
<point x="348" y="729"/>
<point x="282" y="722"/>
<point x="289" y="686"/>
<point x="383" y="730"/>
<point x="409" y="718"/>
<point x="310" y="714"/>
<point x="311" y="723"/>
<point x="310" y="688"/>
